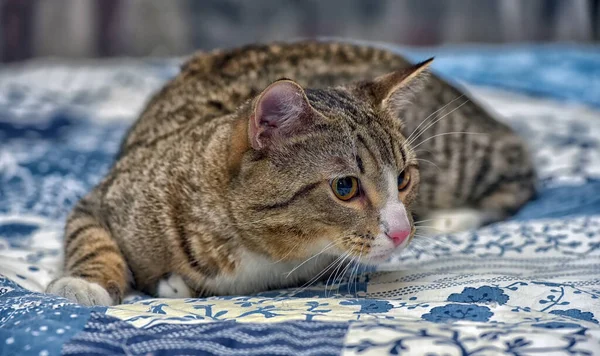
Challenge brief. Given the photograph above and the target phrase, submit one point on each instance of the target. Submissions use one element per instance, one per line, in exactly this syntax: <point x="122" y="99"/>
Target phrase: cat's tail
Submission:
<point x="95" y="271"/>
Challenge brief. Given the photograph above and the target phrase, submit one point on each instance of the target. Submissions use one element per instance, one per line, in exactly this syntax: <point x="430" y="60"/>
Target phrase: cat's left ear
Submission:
<point x="393" y="90"/>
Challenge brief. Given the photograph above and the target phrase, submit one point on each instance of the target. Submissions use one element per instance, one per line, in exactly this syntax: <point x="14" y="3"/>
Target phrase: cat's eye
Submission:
<point x="345" y="188"/>
<point x="403" y="180"/>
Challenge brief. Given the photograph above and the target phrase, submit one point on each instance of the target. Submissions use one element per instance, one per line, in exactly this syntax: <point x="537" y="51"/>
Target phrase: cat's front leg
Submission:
<point x="173" y="286"/>
<point x="447" y="221"/>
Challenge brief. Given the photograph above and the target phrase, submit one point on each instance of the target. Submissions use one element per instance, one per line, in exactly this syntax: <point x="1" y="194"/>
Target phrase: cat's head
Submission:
<point x="326" y="170"/>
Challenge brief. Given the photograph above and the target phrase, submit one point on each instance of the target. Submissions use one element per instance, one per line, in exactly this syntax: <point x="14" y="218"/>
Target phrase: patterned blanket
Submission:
<point x="526" y="286"/>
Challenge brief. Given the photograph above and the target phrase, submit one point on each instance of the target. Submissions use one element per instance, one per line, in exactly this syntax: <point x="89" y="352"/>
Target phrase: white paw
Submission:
<point x="80" y="291"/>
<point x="173" y="287"/>
<point x="451" y="221"/>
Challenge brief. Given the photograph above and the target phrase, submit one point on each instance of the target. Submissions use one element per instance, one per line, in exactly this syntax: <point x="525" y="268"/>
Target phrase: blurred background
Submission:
<point x="105" y="28"/>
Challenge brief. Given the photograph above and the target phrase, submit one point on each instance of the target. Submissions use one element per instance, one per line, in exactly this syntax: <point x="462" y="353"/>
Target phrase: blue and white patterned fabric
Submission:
<point x="526" y="286"/>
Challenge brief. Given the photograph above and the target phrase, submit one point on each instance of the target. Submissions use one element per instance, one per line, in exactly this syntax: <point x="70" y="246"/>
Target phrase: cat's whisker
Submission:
<point x="427" y="237"/>
<point x="428" y="161"/>
<point x="423" y="150"/>
<point x="354" y="273"/>
<point x="296" y="245"/>
<point x="340" y="268"/>
<point x="328" y="246"/>
<point x="421" y="221"/>
<point x="432" y="114"/>
<point x="434" y="122"/>
<point x="348" y="265"/>
<point x="334" y="274"/>
<point x="319" y="275"/>
<point x="430" y="227"/>
<point x="338" y="264"/>
<point x="436" y="230"/>
<point x="350" y="268"/>
<point x="339" y="277"/>
<point x="451" y="133"/>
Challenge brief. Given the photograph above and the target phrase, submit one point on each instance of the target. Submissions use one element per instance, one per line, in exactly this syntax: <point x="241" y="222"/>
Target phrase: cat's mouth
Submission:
<point x="384" y="247"/>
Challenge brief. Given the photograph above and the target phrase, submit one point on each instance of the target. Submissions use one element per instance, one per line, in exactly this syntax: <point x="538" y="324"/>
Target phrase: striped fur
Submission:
<point x="189" y="195"/>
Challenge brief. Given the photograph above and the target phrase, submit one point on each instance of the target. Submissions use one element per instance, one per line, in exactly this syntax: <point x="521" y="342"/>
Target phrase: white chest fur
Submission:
<point x="254" y="273"/>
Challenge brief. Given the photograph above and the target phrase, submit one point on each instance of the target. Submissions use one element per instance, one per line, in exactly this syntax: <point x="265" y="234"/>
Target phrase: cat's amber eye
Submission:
<point x="345" y="188"/>
<point x="403" y="180"/>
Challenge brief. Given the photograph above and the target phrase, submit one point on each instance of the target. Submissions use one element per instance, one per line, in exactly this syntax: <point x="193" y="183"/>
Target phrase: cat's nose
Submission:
<point x="398" y="236"/>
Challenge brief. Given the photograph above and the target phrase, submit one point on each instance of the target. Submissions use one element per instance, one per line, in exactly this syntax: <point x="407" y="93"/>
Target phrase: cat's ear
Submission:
<point x="393" y="90"/>
<point x="280" y="110"/>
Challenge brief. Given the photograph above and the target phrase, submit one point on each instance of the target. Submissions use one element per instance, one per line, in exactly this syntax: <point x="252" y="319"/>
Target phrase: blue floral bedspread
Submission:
<point x="526" y="286"/>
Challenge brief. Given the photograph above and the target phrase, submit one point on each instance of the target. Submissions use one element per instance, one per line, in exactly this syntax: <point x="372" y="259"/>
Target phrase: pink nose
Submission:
<point x="398" y="236"/>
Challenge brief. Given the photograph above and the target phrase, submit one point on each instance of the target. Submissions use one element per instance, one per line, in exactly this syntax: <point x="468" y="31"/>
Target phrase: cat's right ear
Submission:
<point x="280" y="110"/>
<point x="394" y="90"/>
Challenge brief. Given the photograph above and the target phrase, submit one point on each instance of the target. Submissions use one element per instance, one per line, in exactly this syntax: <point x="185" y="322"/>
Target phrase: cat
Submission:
<point x="266" y="166"/>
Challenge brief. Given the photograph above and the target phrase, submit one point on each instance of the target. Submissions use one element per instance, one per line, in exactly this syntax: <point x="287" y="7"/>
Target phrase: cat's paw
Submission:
<point x="173" y="287"/>
<point x="80" y="291"/>
<point x="451" y="221"/>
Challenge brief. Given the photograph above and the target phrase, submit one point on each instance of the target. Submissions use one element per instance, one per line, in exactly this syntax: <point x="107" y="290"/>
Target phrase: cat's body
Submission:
<point x="199" y="187"/>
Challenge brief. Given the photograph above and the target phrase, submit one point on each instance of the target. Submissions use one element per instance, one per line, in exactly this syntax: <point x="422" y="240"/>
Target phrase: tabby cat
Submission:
<point x="264" y="166"/>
